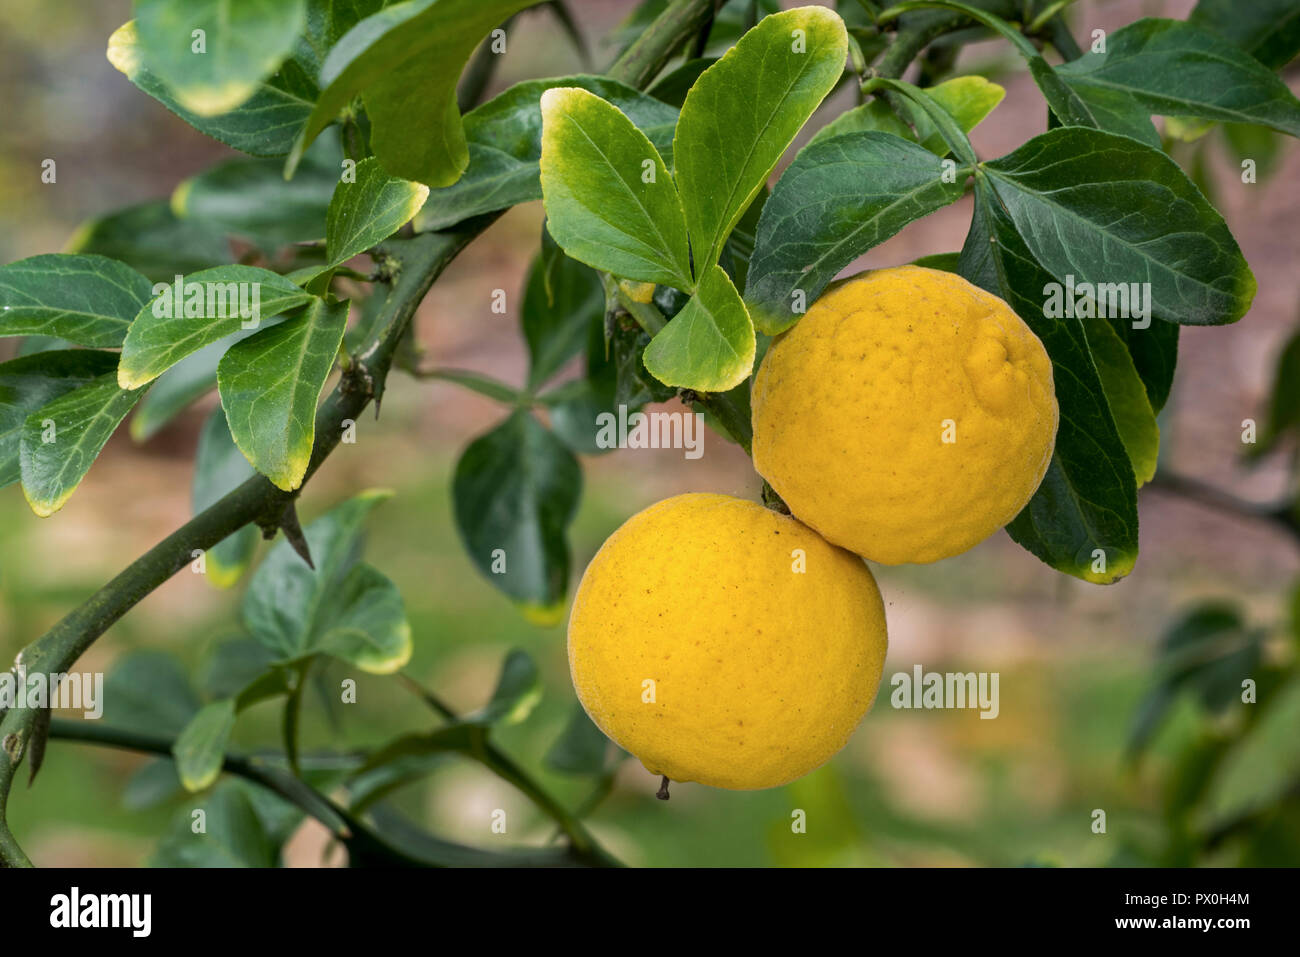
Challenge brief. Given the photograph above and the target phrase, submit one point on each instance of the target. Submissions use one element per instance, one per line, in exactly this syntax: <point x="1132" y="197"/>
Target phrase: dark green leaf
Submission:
<point x="206" y="307"/>
<point x="1155" y="353"/>
<point x="1068" y="107"/>
<point x="1126" y="395"/>
<point x="219" y="468"/>
<point x="244" y="42"/>
<point x="29" y="382"/>
<point x="250" y="198"/>
<point x="200" y="749"/>
<point x="62" y="439"/>
<point x="562" y="299"/>
<point x="505" y="147"/>
<point x="151" y="239"/>
<point x="1175" y="69"/>
<point x="839" y="198"/>
<point x="270" y="383"/>
<point x="148" y="692"/>
<point x="518" y="690"/>
<point x="1269" y="30"/>
<point x="369" y="210"/>
<point x="267" y="124"/>
<point x="1107" y="210"/>
<point x="515" y="491"/>
<point x="89" y="300"/>
<point x="340" y="607"/>
<point x="1083" y="518"/>
<point x="404" y="62"/>
<point x="234" y="665"/>
<point x="581" y="748"/>
<point x="234" y="833"/>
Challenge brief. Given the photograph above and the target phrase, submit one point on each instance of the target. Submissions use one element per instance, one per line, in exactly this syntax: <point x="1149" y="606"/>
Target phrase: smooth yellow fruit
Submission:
<point x="907" y="416"/>
<point x="723" y="643"/>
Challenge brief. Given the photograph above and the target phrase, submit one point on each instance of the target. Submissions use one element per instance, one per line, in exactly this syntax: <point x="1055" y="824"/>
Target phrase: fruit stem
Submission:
<point x="662" y="793"/>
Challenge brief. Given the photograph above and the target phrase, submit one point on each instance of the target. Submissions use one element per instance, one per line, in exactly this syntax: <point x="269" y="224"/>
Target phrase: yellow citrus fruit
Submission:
<point x="723" y="643"/>
<point x="907" y="416"/>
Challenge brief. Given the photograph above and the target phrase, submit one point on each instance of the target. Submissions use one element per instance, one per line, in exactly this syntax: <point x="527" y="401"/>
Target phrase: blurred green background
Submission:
<point x="1078" y="663"/>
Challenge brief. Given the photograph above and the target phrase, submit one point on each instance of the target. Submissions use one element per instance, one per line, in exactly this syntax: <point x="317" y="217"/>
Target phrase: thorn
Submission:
<point x="293" y="533"/>
<point x="39" y="737"/>
<point x="662" y="793"/>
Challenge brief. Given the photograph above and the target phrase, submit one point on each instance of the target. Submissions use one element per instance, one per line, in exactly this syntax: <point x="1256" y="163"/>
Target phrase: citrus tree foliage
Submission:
<point x="670" y="255"/>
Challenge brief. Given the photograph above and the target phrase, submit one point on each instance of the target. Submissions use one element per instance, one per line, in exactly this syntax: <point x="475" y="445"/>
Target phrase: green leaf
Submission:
<point x="875" y="115"/>
<point x="518" y="690"/>
<point x="1284" y="399"/>
<point x="219" y="468"/>
<point x="1261" y="773"/>
<point x="31" y="381"/>
<point x="198" y="310"/>
<point x="174" y="390"/>
<point x="967" y="99"/>
<point x="250" y="198"/>
<point x="1269" y="30"/>
<point x="270" y="383"/>
<point x="365" y="623"/>
<point x="1083" y="518"/>
<point x="244" y="41"/>
<point x="89" y="300"/>
<point x="575" y="407"/>
<point x="150" y="239"/>
<point x="581" y="748"/>
<point x="515" y="492"/>
<point x="672" y="87"/>
<point x="1175" y="69"/>
<point x="201" y="748"/>
<point x="404" y="62"/>
<point x="61" y="440"/>
<point x="369" y="210"/>
<point x="234" y="665"/>
<point x="1108" y="210"/>
<point x="1068" y="107"/>
<point x="742" y="114"/>
<point x="152" y="784"/>
<point x="840" y="197"/>
<point x="1126" y="395"/>
<point x="562" y="299"/>
<point x="505" y="146"/>
<point x="709" y="345"/>
<point x="340" y="607"/>
<point x="237" y="831"/>
<point x="1155" y="353"/>
<point x="610" y="201"/>
<point x="267" y="124"/>
<point x="148" y="692"/>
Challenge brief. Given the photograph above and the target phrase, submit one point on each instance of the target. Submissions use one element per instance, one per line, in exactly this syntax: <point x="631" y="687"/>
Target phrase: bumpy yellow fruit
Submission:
<point x="907" y="416"/>
<point x="723" y="643"/>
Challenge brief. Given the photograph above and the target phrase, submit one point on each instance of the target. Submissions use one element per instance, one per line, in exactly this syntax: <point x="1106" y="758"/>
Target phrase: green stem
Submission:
<point x="645" y="57"/>
<point x="504" y="767"/>
<point x="421" y="260"/>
